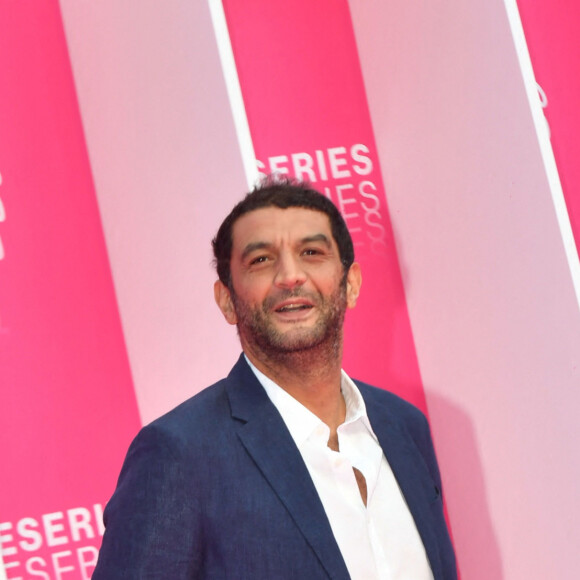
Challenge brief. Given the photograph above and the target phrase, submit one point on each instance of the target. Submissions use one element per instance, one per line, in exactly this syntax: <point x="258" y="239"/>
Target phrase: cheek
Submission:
<point x="327" y="283"/>
<point x="252" y="291"/>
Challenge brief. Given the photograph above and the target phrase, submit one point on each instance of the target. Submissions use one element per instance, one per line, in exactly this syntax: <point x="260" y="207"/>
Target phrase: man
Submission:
<point x="286" y="469"/>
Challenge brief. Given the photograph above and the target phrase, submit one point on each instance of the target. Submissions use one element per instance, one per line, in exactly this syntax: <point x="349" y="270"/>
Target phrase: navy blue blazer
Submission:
<point x="217" y="489"/>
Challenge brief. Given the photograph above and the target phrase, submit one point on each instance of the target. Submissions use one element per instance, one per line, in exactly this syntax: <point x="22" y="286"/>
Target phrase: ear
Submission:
<point x="224" y="300"/>
<point x="353" y="284"/>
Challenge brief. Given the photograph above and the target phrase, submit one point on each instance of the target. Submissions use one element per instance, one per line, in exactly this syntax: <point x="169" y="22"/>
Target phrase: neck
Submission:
<point x="312" y="376"/>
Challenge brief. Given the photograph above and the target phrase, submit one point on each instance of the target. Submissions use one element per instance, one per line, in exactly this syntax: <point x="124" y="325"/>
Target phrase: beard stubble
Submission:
<point x="256" y="328"/>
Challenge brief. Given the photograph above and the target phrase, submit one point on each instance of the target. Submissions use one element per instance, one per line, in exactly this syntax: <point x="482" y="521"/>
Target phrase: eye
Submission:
<point x="311" y="252"/>
<point x="259" y="260"/>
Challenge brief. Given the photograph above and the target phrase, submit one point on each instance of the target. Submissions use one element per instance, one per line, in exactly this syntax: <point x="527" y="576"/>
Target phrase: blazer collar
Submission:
<point x="413" y="478"/>
<point x="268" y="441"/>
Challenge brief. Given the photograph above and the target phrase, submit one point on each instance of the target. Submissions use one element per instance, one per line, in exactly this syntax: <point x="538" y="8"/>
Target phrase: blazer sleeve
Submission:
<point x="152" y="525"/>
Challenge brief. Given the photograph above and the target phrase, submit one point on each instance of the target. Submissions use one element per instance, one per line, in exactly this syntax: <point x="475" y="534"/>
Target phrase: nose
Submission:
<point x="289" y="273"/>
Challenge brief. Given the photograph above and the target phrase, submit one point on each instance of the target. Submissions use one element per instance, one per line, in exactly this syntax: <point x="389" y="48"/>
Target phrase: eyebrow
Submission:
<point x="255" y="246"/>
<point x="317" y="238"/>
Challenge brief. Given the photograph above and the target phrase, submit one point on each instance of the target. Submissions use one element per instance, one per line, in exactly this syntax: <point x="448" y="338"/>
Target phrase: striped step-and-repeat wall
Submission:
<point x="128" y="130"/>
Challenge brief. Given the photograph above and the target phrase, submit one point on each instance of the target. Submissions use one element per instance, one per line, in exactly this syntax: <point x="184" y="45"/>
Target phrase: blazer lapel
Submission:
<point x="413" y="478"/>
<point x="266" y="438"/>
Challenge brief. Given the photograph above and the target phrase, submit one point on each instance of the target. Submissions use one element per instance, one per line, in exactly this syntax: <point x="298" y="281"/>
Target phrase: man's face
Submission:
<point x="289" y="292"/>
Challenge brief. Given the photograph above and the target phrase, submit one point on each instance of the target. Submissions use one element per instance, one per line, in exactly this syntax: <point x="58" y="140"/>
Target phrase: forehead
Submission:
<point x="274" y="225"/>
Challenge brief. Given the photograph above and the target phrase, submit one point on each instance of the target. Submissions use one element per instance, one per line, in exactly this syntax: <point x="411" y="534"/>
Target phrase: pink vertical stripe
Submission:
<point x="552" y="32"/>
<point x="67" y="406"/>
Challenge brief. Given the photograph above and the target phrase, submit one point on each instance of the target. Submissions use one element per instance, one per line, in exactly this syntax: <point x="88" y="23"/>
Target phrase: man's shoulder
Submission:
<point x="204" y="411"/>
<point x="388" y="401"/>
<point x="384" y="407"/>
<point x="195" y="428"/>
<point x="196" y="413"/>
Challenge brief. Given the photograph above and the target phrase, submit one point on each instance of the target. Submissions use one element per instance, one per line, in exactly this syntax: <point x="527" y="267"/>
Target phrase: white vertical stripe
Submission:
<point x="2" y="570"/>
<point x="234" y="91"/>
<point x="543" y="134"/>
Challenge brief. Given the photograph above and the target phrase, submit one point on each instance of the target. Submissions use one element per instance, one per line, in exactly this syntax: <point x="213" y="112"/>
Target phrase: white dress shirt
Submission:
<point x="379" y="541"/>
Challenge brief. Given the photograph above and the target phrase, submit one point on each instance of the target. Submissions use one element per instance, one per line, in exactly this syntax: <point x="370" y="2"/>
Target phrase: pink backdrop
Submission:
<point x="67" y="404"/>
<point x="552" y="34"/>
<point x="473" y="304"/>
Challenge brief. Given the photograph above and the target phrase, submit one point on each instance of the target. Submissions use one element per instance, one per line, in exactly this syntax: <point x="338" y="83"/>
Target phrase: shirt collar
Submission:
<point x="300" y="421"/>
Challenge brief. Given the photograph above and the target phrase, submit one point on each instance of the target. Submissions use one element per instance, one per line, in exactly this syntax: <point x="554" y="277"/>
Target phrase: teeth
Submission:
<point x="292" y="307"/>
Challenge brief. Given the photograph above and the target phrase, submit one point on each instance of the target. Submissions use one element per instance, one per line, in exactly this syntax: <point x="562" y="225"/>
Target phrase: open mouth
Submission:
<point x="293" y="307"/>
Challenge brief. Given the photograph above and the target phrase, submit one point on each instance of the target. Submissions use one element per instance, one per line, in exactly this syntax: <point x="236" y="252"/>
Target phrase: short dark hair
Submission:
<point x="281" y="192"/>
